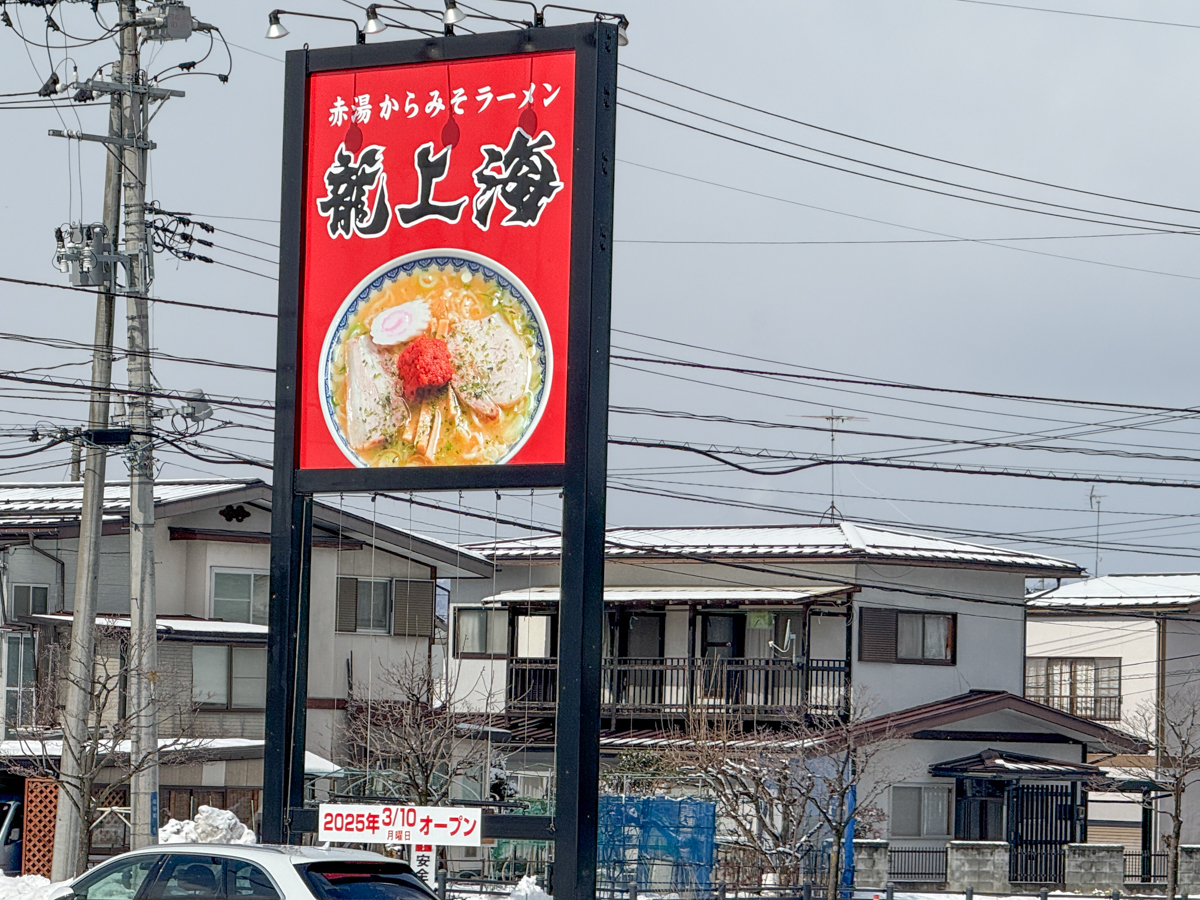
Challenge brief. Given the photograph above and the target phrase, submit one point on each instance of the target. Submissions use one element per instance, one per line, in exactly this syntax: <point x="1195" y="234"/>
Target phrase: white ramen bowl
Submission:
<point x="442" y="258"/>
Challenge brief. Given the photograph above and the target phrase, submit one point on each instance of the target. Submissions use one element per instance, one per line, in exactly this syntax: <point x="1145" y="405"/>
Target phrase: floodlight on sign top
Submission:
<point x="374" y="24"/>
<point x="453" y="15"/>
<point x="275" y="28"/>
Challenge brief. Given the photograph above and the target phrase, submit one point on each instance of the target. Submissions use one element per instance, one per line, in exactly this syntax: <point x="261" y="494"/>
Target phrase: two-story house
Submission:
<point x="1112" y="649"/>
<point x="374" y="595"/>
<point x="771" y="623"/>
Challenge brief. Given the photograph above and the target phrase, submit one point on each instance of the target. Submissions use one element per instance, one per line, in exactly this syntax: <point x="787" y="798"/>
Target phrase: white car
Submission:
<point x="246" y="872"/>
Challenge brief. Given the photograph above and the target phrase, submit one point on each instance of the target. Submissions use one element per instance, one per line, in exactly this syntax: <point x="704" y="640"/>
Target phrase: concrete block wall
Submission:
<point x="870" y="863"/>
<point x="1094" y="868"/>
<point x="1189" y="870"/>
<point x="982" y="865"/>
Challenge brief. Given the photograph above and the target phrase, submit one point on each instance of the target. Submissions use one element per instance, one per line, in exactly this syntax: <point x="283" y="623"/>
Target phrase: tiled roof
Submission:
<point x="1121" y="592"/>
<point x="1006" y="764"/>
<point x="843" y="541"/>
<point x="61" y="501"/>
<point x="677" y="594"/>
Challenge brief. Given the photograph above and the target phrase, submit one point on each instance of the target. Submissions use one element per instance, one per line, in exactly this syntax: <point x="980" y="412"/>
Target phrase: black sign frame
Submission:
<point x="582" y="476"/>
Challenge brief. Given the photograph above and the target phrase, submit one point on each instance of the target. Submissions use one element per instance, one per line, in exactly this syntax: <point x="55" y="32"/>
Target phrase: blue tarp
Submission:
<point x="657" y="840"/>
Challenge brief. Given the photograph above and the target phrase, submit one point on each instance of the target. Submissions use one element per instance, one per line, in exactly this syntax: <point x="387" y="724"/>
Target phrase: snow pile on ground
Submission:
<point x="26" y="887"/>
<point x="211" y="826"/>
<point x="528" y="889"/>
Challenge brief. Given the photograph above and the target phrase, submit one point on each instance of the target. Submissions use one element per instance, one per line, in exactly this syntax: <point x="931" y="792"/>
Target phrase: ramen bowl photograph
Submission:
<point x="437" y="358"/>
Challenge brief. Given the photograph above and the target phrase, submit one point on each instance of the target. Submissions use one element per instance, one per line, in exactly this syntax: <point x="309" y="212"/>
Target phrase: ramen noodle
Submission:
<point x="442" y="366"/>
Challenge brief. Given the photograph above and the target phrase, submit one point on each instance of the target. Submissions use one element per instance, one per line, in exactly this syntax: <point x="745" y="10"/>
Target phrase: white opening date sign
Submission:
<point x="443" y="826"/>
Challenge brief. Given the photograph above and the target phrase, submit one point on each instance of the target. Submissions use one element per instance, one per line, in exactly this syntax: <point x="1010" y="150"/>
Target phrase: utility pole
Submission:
<point x="70" y="834"/>
<point x="143" y="640"/>
<point x="81" y="252"/>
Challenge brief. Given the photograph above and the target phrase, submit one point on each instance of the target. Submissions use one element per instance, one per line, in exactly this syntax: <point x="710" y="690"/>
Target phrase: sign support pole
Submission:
<point x="291" y="518"/>
<point x="581" y="607"/>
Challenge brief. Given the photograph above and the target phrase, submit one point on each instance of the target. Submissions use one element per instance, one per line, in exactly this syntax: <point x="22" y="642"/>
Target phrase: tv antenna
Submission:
<point x="1094" y="502"/>
<point x="834" y="421"/>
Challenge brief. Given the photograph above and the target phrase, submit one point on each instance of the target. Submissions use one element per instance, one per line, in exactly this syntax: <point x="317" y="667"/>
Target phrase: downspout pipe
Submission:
<point x="62" y="573"/>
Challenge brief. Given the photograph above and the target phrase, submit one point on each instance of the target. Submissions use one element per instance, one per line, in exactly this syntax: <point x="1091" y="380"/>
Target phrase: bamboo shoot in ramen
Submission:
<point x="444" y="365"/>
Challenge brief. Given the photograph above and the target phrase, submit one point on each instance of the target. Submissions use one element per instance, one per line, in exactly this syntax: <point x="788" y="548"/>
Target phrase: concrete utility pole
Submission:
<point x="70" y="836"/>
<point x="128" y="148"/>
<point x="143" y="643"/>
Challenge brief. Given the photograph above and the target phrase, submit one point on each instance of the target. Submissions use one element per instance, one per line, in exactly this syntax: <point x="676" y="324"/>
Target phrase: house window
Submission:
<point x="901" y="636"/>
<point x="1088" y="687"/>
<point x="534" y="636"/>
<point x="241" y="596"/>
<point x="386" y="606"/>
<point x="921" y="812"/>
<point x="229" y="677"/>
<point x="30" y="599"/>
<point x="20" y="685"/>
<point x="481" y="633"/>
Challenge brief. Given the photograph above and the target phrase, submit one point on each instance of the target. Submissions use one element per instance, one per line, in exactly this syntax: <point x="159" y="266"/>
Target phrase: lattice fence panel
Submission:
<point x="41" y="807"/>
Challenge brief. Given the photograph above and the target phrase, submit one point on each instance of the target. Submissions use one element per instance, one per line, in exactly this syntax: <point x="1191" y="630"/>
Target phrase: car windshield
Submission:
<point x="363" y="881"/>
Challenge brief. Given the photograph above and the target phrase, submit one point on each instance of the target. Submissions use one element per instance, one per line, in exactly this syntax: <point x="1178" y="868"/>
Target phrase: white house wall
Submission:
<point x="990" y="635"/>
<point x="907" y="763"/>
<point x="1133" y="640"/>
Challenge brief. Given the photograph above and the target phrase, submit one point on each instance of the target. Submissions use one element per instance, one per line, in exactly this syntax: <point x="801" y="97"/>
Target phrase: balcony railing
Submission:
<point x="1101" y="709"/>
<point x="766" y="688"/>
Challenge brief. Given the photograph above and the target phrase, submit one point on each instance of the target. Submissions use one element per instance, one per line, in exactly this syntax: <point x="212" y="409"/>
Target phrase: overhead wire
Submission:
<point x="913" y="153"/>
<point x="1184" y="228"/>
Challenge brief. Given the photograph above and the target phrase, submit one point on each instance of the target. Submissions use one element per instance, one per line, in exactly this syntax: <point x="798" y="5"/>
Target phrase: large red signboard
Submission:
<point x="436" y="263"/>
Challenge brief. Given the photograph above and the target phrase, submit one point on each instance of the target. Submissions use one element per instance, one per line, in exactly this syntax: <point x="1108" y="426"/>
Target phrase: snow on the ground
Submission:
<point x="26" y="887"/>
<point x="527" y="889"/>
<point x="211" y="826"/>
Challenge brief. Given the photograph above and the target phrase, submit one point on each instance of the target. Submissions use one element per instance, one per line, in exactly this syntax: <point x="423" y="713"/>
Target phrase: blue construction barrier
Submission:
<point x="659" y="842"/>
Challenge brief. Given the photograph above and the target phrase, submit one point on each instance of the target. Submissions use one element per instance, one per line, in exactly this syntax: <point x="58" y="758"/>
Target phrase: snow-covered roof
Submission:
<point x="168" y="624"/>
<point x="843" y="541"/>
<point x="45" y="503"/>
<point x="1006" y="764"/>
<point x="1173" y="591"/>
<point x="677" y="594"/>
<point x="55" y="507"/>
<point x="31" y="748"/>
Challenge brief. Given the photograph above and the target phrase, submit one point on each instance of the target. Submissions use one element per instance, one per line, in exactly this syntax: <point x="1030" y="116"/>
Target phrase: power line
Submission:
<point x="803" y="462"/>
<point x="895" y="171"/>
<point x="1068" y="12"/>
<point x="845" y="379"/>
<point x="981" y="242"/>
<point x="915" y="187"/>
<point x="988" y="445"/>
<point x="913" y="153"/>
<point x="159" y="300"/>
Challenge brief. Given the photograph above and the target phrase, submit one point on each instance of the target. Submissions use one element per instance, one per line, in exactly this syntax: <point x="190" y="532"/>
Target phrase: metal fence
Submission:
<point x="1147" y="868"/>
<point x="740" y="869"/>
<point x="926" y="865"/>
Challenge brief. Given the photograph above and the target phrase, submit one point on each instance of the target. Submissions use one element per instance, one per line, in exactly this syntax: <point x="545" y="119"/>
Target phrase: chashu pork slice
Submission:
<point x="375" y="407"/>
<point x="491" y="364"/>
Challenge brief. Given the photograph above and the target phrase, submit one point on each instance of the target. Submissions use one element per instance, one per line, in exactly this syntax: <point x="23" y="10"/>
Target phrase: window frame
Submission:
<point x="25" y="639"/>
<point x="922" y="790"/>
<point x="12" y="599"/>
<point x="386" y="630"/>
<point x="228" y="705"/>
<point x="953" y="638"/>
<point x="491" y="615"/>
<point x="214" y="571"/>
<point x="1076" y="698"/>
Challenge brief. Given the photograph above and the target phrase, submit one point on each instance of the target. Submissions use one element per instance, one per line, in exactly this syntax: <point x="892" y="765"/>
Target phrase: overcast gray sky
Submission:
<point x="803" y="265"/>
